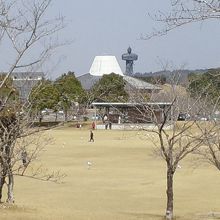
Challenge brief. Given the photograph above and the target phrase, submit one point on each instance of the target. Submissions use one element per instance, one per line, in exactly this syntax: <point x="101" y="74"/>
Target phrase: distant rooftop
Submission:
<point x="25" y="81"/>
<point x="87" y="81"/>
<point x="25" y="75"/>
<point x="140" y="84"/>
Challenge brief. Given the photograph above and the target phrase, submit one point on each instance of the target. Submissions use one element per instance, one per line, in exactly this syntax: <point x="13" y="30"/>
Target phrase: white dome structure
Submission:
<point x="105" y="65"/>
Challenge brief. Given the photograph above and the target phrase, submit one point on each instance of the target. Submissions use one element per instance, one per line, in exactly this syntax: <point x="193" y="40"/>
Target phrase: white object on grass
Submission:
<point x="89" y="164"/>
<point x="178" y="166"/>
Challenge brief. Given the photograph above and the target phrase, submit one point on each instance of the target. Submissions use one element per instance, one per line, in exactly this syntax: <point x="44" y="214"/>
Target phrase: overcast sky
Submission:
<point x="100" y="27"/>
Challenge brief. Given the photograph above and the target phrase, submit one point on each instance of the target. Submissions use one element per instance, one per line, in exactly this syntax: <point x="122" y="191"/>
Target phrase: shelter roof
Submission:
<point x="129" y="104"/>
<point x="87" y="81"/>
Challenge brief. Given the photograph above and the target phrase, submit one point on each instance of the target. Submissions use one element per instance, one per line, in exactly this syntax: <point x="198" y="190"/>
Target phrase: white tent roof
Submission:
<point x="105" y="65"/>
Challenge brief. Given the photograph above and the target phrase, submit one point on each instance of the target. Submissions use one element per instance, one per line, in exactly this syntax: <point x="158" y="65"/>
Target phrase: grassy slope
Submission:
<point x="125" y="182"/>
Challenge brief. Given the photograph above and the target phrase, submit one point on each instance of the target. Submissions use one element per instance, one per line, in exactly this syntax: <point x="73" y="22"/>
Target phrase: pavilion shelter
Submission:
<point x="132" y="113"/>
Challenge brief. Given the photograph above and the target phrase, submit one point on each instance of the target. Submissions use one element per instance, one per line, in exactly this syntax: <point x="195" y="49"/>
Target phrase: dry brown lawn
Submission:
<point x="125" y="182"/>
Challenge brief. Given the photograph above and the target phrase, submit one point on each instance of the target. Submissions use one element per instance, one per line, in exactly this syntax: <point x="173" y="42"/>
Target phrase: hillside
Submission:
<point x="179" y="76"/>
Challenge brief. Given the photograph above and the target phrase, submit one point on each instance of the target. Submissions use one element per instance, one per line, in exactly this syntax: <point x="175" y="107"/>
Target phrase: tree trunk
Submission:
<point x="10" y="198"/>
<point x="169" y="210"/>
<point x="2" y="182"/>
<point x="65" y="115"/>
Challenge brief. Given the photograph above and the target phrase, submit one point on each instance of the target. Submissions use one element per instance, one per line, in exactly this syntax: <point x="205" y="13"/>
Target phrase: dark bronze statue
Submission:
<point x="129" y="57"/>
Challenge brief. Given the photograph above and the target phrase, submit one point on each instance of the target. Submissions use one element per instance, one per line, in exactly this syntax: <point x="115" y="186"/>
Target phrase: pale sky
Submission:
<point x="100" y="27"/>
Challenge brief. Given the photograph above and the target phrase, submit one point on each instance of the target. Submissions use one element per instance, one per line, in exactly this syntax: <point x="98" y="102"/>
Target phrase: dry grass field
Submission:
<point x="125" y="182"/>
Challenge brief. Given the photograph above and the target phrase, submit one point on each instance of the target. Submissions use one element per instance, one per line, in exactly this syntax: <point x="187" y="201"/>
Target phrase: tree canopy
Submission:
<point x="69" y="86"/>
<point x="205" y="85"/>
<point x="44" y="95"/>
<point x="70" y="91"/>
<point x="110" y="88"/>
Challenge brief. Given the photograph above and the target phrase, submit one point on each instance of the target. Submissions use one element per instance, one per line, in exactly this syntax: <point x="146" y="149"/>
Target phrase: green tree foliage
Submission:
<point x="70" y="90"/>
<point x="69" y="86"/>
<point x="7" y="90"/>
<point x="44" y="95"/>
<point x="110" y="88"/>
<point x="9" y="99"/>
<point x="205" y="85"/>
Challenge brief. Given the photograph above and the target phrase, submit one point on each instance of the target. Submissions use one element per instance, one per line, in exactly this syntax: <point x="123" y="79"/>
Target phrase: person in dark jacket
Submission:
<point x="91" y="136"/>
<point x="24" y="158"/>
<point x="110" y="125"/>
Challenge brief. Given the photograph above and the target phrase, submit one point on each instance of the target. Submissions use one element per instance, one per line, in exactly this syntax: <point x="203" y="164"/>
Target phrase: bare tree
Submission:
<point x="175" y="140"/>
<point x="184" y="12"/>
<point x="28" y="33"/>
<point x="25" y="28"/>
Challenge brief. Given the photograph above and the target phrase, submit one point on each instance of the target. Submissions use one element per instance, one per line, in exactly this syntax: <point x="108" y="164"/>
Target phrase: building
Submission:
<point x="25" y="81"/>
<point x="108" y="64"/>
<point x="132" y="115"/>
<point x="105" y="65"/>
